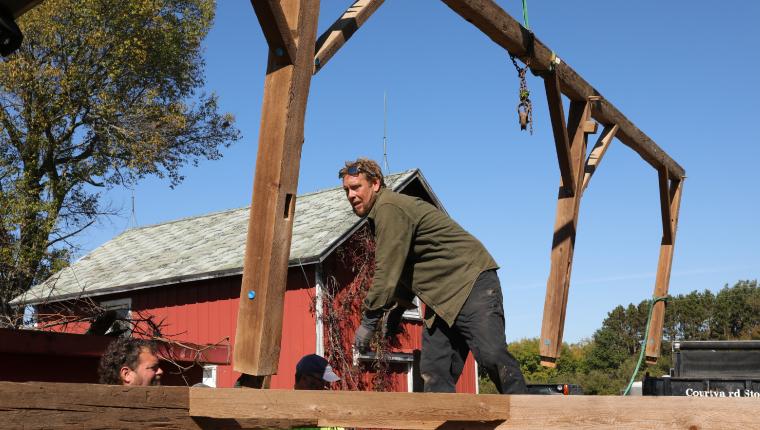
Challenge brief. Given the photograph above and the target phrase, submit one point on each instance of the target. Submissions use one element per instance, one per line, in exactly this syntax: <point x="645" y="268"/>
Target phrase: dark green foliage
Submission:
<point x="99" y="95"/>
<point x="603" y="365"/>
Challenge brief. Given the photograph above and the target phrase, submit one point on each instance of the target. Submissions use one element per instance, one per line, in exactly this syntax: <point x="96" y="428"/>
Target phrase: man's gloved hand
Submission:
<point x="392" y="321"/>
<point x="362" y="338"/>
<point x="366" y="330"/>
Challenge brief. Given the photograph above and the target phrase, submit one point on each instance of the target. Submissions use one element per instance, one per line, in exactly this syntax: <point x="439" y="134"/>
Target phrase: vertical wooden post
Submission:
<point x="568" y="204"/>
<point x="670" y="202"/>
<point x="286" y="90"/>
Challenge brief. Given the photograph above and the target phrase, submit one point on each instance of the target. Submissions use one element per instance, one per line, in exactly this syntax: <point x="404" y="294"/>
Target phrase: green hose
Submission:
<point x="644" y="344"/>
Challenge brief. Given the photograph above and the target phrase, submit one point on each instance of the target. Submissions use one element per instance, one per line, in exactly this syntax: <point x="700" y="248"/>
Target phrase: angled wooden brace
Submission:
<point x="561" y="139"/>
<point x="597" y="153"/>
<point x="342" y="30"/>
<point x="563" y="244"/>
<point x="276" y="29"/>
<point x="670" y="203"/>
<point x="270" y="227"/>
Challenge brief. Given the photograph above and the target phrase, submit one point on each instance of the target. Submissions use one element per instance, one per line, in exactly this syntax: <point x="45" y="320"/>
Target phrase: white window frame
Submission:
<point x="119" y="304"/>
<point x="414" y="314"/>
<point x="211" y="379"/>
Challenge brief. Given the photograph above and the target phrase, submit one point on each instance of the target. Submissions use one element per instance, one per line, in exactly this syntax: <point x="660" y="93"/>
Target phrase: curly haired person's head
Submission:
<point x="129" y="361"/>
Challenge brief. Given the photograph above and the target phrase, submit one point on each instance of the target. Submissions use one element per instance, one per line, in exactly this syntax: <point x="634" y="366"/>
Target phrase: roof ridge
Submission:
<point x="324" y="190"/>
<point x="187" y="218"/>
<point x="191" y="217"/>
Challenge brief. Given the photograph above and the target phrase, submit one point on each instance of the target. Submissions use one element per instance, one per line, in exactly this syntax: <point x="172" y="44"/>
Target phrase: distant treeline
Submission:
<point x="604" y="363"/>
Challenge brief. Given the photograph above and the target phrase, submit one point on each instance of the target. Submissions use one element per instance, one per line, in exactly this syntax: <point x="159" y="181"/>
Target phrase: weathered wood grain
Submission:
<point x="671" y="196"/>
<point x="559" y="128"/>
<point x="84" y="406"/>
<point x="630" y="413"/>
<point x="563" y="243"/>
<point x="281" y="135"/>
<point x="37" y="405"/>
<point x="274" y="25"/>
<point x="342" y="29"/>
<point x="349" y="409"/>
<point x="597" y="153"/>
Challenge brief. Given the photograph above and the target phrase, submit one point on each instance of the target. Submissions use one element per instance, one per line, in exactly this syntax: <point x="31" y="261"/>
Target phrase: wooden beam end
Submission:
<point x="550" y="362"/>
<point x="590" y="127"/>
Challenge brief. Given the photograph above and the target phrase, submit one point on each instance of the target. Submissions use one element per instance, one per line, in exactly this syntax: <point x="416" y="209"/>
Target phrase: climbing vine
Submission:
<point x="340" y="314"/>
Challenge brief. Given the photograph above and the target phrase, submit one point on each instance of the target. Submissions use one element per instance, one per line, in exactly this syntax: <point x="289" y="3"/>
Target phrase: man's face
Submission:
<point x="147" y="371"/>
<point x="311" y="382"/>
<point x="361" y="192"/>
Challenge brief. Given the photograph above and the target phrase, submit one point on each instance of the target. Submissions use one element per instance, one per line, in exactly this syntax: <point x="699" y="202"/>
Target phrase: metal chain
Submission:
<point x="525" y="107"/>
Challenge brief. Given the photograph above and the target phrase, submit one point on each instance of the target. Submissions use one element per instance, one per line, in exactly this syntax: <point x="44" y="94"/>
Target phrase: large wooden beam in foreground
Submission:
<point x="39" y="405"/>
<point x="281" y="135"/>
<point x="563" y="244"/>
<point x="492" y="20"/>
<point x="670" y="200"/>
<point x="342" y="30"/>
<point x="84" y="406"/>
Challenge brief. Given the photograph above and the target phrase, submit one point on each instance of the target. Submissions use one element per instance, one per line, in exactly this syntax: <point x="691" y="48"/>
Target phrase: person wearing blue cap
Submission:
<point x="314" y="373"/>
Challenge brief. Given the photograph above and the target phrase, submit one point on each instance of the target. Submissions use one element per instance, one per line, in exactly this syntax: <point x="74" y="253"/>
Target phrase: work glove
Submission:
<point x="366" y="330"/>
<point x="392" y="321"/>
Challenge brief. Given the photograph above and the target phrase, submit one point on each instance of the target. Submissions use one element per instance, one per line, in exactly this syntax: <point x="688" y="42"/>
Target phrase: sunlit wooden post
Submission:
<point x="290" y="28"/>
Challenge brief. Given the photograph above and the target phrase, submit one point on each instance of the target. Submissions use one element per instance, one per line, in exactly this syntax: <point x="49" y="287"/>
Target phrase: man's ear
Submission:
<point x="126" y="375"/>
<point x="376" y="185"/>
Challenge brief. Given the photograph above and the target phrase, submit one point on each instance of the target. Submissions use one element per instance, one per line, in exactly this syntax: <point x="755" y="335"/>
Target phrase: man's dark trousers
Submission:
<point x="479" y="328"/>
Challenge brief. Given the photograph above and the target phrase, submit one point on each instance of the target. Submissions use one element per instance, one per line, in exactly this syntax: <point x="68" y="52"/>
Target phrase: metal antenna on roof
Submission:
<point x="133" y="217"/>
<point x="385" y="132"/>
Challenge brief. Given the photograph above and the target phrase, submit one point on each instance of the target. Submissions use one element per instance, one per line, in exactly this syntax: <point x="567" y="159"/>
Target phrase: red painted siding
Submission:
<point x="205" y="312"/>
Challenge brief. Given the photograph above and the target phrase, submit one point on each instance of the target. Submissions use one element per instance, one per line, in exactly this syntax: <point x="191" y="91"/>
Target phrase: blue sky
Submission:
<point x="684" y="72"/>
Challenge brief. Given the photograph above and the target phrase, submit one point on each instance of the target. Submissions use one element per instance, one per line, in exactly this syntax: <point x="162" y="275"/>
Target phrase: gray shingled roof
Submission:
<point x="201" y="247"/>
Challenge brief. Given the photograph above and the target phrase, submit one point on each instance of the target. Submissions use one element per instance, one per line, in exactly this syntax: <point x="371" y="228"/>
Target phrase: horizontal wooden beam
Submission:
<point x="597" y="153"/>
<point x="492" y="20"/>
<point x="342" y="30"/>
<point x="44" y="405"/>
<point x="350" y="409"/>
<point x="276" y="29"/>
<point x="86" y="406"/>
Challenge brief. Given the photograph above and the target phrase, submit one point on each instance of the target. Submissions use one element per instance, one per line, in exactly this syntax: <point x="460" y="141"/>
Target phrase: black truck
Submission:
<point x="710" y="369"/>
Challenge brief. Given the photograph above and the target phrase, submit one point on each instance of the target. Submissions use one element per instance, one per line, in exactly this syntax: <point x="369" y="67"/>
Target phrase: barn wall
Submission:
<point x="205" y="312"/>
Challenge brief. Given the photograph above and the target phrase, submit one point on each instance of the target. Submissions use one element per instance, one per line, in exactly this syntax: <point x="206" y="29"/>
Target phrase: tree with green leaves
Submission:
<point x="101" y="94"/>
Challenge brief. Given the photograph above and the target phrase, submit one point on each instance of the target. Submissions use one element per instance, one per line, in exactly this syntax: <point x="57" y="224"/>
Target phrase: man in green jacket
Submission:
<point x="419" y="250"/>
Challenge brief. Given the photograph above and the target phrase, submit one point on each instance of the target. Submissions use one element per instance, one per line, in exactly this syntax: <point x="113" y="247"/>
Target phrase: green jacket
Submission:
<point x="420" y="250"/>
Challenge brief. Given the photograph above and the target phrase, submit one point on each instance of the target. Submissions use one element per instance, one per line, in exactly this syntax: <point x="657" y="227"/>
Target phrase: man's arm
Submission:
<point x="393" y="238"/>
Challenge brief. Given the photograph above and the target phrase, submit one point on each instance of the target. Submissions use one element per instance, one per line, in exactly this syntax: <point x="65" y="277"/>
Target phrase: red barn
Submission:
<point x="186" y="274"/>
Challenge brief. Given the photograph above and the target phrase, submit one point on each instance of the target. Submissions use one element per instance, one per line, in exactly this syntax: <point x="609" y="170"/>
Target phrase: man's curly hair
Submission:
<point x="370" y="168"/>
<point x="124" y="351"/>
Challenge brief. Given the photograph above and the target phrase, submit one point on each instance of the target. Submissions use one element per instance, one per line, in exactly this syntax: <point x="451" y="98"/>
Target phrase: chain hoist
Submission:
<point x="524" y="107"/>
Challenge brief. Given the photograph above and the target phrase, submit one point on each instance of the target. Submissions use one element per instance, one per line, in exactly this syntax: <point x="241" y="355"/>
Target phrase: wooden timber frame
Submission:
<point x="295" y="54"/>
<point x="84" y="406"/>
